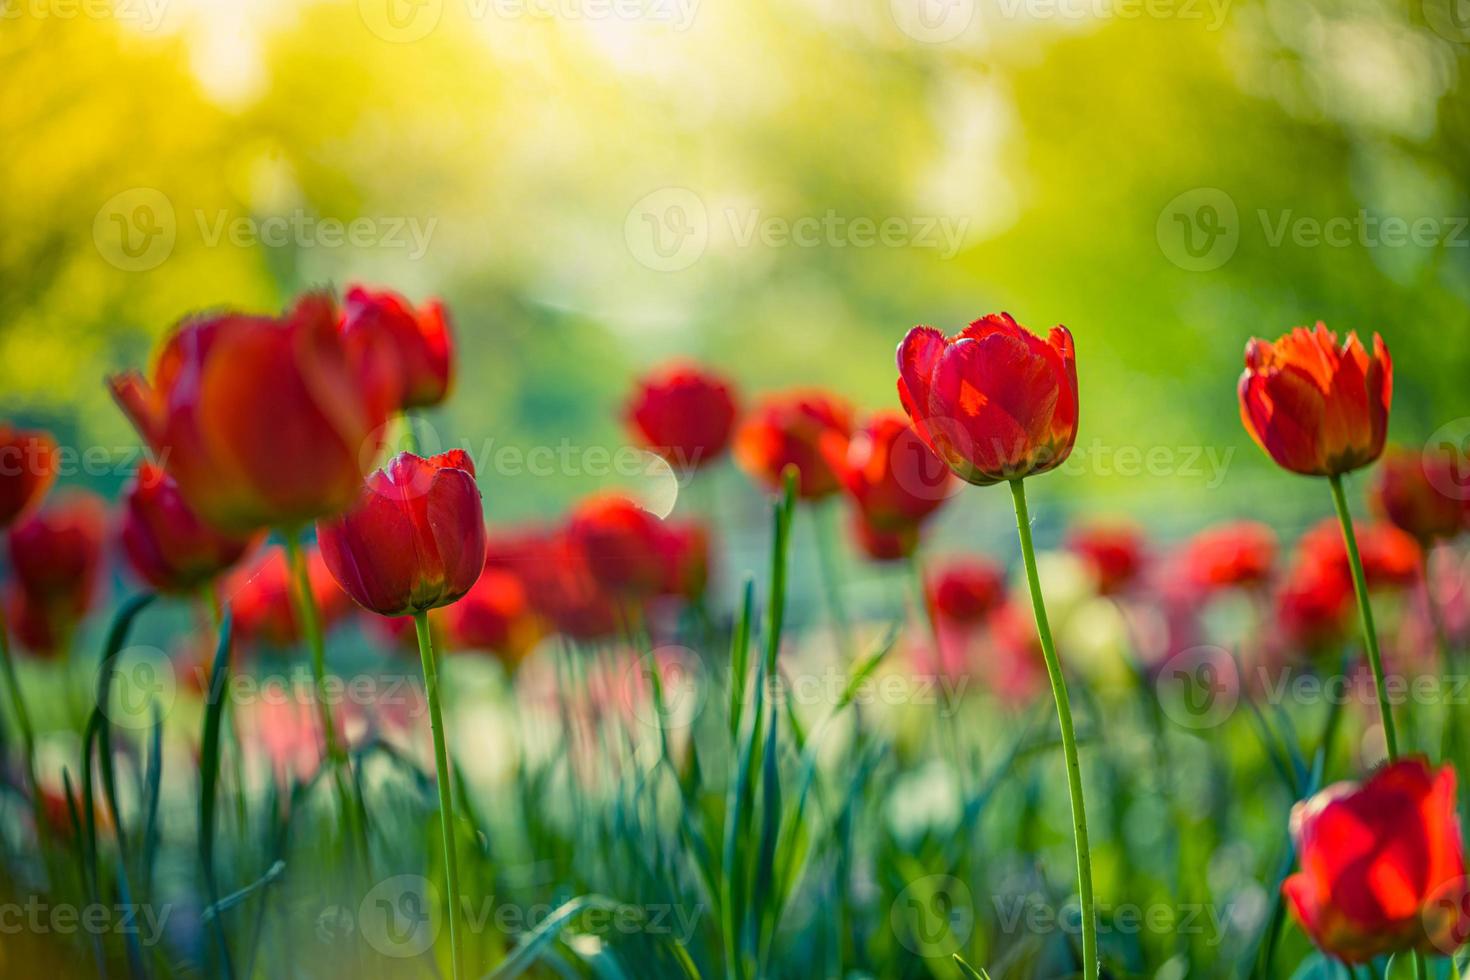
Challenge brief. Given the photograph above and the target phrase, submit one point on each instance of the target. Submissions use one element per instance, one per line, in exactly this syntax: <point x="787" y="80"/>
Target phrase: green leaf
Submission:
<point x="970" y="971"/>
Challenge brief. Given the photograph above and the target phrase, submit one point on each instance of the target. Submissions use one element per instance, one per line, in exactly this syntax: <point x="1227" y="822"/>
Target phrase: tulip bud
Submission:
<point x="168" y="545"/>
<point x="1315" y="407"/>
<point x="418" y="341"/>
<point x="56" y="555"/>
<point x="414" y="540"/>
<point x="995" y="401"/>
<point x="684" y="413"/>
<point x="892" y="476"/>
<point x="27" y="469"/>
<point x="808" y="430"/>
<point x="1408" y="494"/>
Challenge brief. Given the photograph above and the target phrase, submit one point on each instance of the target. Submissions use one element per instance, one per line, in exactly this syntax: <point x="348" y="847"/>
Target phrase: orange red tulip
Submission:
<point x="56" y="555"/>
<point x="1114" y="554"/>
<point x="1410" y="493"/>
<point x="805" y="429"/>
<point x="893" y="477"/>
<point x="684" y="413"/>
<point x="418" y="341"/>
<point x="1315" y="406"/>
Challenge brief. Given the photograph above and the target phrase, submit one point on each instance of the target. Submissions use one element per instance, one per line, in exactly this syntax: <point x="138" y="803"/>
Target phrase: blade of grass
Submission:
<point x="535" y="943"/>
<point x="209" y="750"/>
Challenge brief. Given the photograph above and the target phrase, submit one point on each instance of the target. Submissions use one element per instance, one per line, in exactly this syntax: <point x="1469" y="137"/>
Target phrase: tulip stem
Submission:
<point x="824" y="517"/>
<point x="1365" y="611"/>
<point x="446" y="801"/>
<point x="22" y="722"/>
<point x="1069" y="737"/>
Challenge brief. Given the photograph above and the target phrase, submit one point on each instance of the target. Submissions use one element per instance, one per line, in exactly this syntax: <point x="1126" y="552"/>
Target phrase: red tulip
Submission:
<point x="1115" y="555"/>
<point x="890" y="543"/>
<point x="414" y="540"/>
<point x="893" y="477"/>
<point x="494" y="616"/>
<point x="995" y="401"/>
<point x="684" y="413"/>
<point x="967" y="590"/>
<point x="260" y="596"/>
<point x="37" y="629"/>
<point x="1391" y="557"/>
<point x="56" y="554"/>
<point x="1410" y="492"/>
<point x="686" y="547"/>
<point x="262" y="421"/>
<point x="621" y="546"/>
<point x="805" y="429"/>
<point x="419" y="341"/>
<point x="1315" y="407"/>
<point x="1313" y="605"/>
<point x="27" y="470"/>
<point x="1382" y="864"/>
<point x="1236" y="554"/>
<point x="561" y="589"/>
<point x="168" y="545"/>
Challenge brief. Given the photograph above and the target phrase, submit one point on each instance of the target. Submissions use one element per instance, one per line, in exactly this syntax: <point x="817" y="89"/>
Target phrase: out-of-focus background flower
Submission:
<point x="779" y="188"/>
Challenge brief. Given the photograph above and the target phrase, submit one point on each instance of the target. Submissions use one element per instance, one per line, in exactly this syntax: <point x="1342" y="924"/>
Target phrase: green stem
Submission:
<point x="1365" y="610"/>
<point x="1451" y="724"/>
<point x="446" y="802"/>
<point x="825" y="517"/>
<point x="1069" y="737"/>
<point x="22" y="722"/>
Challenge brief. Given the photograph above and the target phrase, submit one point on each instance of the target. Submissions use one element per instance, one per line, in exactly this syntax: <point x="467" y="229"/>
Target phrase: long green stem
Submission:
<point x="1365" y="611"/>
<point x="825" y="516"/>
<point x="1069" y="737"/>
<point x="446" y="801"/>
<point x="22" y="722"/>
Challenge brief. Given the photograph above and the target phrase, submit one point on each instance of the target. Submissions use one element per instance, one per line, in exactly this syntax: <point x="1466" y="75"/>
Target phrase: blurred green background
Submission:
<point x="781" y="188"/>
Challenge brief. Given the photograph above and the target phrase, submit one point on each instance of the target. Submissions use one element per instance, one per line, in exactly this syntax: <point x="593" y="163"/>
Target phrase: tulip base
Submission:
<point x="446" y="798"/>
<point x="1069" y="736"/>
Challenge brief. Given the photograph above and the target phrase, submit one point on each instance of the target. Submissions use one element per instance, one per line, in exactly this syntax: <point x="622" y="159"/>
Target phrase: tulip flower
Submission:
<point x="1321" y="409"/>
<point x="1239" y="554"/>
<point x="419" y="341"/>
<point x="494" y="616"/>
<point x="621" y="545"/>
<point x="967" y="590"/>
<point x="166" y="543"/>
<point x="27" y="470"/>
<point x="1113" y="554"/>
<point x="998" y="403"/>
<point x="56" y="555"/>
<point x="1410" y="493"/>
<point x="995" y="402"/>
<point x="887" y="543"/>
<point x="686" y="555"/>
<point x="805" y="429"/>
<point x="1317" y="407"/>
<point x="1391" y="558"/>
<point x="263" y="422"/>
<point x="262" y="600"/>
<point x="1382" y="865"/>
<point x="892" y="475"/>
<point x="414" y="540"/>
<point x="1312" y="604"/>
<point x="684" y="413"/>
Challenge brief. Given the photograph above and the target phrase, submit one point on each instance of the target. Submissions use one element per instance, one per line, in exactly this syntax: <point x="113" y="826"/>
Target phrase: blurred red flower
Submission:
<point x="1410" y="493"/>
<point x="414" y="540"/>
<point x="892" y="475"/>
<point x="1312" y="607"/>
<point x="1236" y="554"/>
<point x="494" y="616"/>
<point x="888" y="543"/>
<point x="1391" y="557"/>
<point x="966" y="590"/>
<point x="418" y="341"/>
<point x="995" y="401"/>
<point x="1382" y="865"/>
<point x="259" y="594"/>
<point x="27" y="470"/>
<point x="1014" y="668"/>
<point x="1115" y="555"/>
<point x="1315" y="407"/>
<point x="56" y="554"/>
<point x="686" y="553"/>
<point x="561" y="589"/>
<point x="621" y="546"/>
<point x="805" y="429"/>
<point x="264" y="422"/>
<point x="166" y="543"/>
<point x="684" y="413"/>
